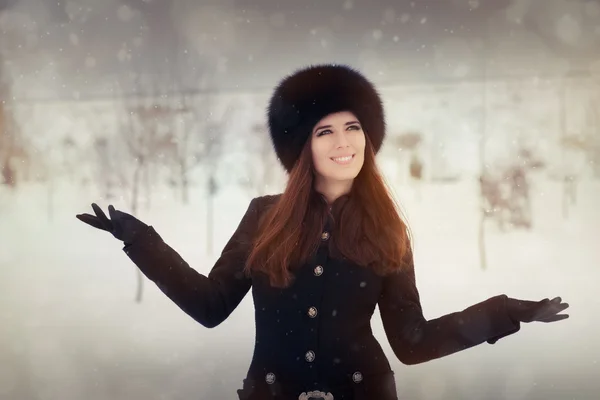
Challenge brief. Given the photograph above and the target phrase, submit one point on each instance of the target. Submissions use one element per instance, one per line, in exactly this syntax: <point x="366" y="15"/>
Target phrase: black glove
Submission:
<point x="542" y="311"/>
<point x="529" y="311"/>
<point x="123" y="226"/>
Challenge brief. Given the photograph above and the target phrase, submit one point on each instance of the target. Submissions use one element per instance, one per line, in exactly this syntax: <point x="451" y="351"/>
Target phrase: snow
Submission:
<point x="70" y="329"/>
<point x="69" y="326"/>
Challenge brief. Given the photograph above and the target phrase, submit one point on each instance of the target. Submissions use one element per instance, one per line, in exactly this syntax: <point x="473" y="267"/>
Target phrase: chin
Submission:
<point x="348" y="176"/>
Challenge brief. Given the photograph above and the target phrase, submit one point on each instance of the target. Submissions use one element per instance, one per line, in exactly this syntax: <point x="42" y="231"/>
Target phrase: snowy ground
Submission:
<point x="69" y="328"/>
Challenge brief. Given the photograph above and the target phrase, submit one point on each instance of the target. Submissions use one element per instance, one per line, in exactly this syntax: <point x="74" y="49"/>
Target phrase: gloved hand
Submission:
<point x="123" y="226"/>
<point x="543" y="311"/>
<point x="529" y="311"/>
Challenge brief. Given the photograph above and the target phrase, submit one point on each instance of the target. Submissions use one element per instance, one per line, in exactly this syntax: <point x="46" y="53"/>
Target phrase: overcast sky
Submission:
<point x="86" y="46"/>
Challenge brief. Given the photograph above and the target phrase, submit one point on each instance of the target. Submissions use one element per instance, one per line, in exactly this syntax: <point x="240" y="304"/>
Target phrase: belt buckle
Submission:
<point x="315" y="394"/>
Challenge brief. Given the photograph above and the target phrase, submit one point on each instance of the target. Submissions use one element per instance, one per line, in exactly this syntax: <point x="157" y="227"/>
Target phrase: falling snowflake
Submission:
<point x="592" y="9"/>
<point x="389" y="15"/>
<point x="125" y="13"/>
<point x="90" y="62"/>
<point x="124" y="54"/>
<point x="277" y="20"/>
<point x="568" y="29"/>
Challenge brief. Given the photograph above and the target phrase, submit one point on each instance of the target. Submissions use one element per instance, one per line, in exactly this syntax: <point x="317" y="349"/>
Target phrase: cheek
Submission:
<point x="318" y="158"/>
<point x="360" y="144"/>
<point x="363" y="142"/>
<point x="360" y="161"/>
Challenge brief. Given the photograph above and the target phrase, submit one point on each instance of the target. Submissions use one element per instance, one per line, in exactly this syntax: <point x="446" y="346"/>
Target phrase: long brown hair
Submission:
<point x="370" y="231"/>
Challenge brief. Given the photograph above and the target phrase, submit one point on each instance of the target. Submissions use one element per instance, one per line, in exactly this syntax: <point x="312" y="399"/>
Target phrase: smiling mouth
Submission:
<point x="343" y="160"/>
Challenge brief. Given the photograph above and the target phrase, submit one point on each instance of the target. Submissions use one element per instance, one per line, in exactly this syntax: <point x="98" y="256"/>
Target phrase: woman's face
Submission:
<point x="338" y="148"/>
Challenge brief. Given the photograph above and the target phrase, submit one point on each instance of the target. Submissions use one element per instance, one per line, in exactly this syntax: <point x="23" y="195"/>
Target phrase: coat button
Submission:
<point x="325" y="235"/>
<point x="357" y="377"/>
<point x="270" y="378"/>
<point x="312" y="312"/>
<point x="310" y="356"/>
<point x="318" y="270"/>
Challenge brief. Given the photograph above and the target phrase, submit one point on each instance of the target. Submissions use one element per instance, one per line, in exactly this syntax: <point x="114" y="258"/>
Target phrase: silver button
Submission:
<point x="312" y="312"/>
<point x="357" y="377"/>
<point x="270" y="378"/>
<point x="318" y="270"/>
<point x="325" y="235"/>
<point x="310" y="356"/>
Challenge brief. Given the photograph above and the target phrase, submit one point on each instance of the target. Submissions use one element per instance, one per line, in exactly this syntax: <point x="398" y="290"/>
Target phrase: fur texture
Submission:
<point x="303" y="98"/>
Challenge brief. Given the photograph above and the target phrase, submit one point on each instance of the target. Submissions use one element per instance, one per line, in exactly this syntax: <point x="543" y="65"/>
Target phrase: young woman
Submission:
<point x="321" y="256"/>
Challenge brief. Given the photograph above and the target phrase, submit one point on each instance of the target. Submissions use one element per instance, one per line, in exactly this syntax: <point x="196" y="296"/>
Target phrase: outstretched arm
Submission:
<point x="208" y="299"/>
<point x="415" y="340"/>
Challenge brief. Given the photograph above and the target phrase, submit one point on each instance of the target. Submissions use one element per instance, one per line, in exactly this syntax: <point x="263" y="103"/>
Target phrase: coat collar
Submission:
<point x="337" y="204"/>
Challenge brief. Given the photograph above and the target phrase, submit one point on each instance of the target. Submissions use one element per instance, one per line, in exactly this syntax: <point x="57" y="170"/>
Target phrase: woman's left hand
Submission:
<point x="542" y="311"/>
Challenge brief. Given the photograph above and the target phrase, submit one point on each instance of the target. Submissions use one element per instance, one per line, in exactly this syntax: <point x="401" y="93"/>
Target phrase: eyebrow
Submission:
<point x="329" y="126"/>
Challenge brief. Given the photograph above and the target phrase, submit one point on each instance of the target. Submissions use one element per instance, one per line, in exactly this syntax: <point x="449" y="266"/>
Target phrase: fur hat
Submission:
<point x="303" y="98"/>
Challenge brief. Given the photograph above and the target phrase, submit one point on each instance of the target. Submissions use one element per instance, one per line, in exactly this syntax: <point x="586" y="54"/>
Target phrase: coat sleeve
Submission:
<point x="415" y="340"/>
<point x="207" y="299"/>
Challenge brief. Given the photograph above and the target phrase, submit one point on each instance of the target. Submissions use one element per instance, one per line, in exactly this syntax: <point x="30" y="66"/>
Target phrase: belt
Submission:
<point x="256" y="390"/>
<point x="315" y="395"/>
<point x="382" y="386"/>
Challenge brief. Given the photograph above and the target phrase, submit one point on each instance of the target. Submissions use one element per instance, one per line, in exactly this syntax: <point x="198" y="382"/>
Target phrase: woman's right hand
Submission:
<point x="121" y="225"/>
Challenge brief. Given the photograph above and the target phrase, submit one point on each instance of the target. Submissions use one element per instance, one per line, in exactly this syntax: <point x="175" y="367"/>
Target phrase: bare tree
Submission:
<point x="197" y="137"/>
<point x="106" y="171"/>
<point x="409" y="143"/>
<point x="483" y="137"/>
<point x="147" y="144"/>
<point x="142" y="133"/>
<point x="265" y="171"/>
<point x="16" y="160"/>
<point x="7" y="145"/>
<point x="197" y="130"/>
<point x="138" y="143"/>
<point x="9" y="138"/>
<point x="573" y="147"/>
<point x="592" y="137"/>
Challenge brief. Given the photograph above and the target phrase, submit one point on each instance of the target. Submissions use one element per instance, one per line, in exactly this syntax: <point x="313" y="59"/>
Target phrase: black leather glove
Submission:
<point x="543" y="311"/>
<point x="529" y="311"/>
<point x="123" y="226"/>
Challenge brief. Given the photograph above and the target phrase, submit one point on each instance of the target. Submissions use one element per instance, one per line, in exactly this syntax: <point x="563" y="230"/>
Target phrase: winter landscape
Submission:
<point x="496" y="164"/>
<point x="71" y="327"/>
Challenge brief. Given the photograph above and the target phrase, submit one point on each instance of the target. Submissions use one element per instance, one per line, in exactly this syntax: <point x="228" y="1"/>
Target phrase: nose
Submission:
<point x="341" y="141"/>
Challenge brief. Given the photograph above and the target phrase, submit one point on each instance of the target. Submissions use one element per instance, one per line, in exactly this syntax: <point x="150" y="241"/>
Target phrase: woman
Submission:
<point x="321" y="256"/>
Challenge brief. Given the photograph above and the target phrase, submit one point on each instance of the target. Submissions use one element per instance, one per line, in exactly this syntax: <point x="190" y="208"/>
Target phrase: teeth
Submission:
<point x="342" y="159"/>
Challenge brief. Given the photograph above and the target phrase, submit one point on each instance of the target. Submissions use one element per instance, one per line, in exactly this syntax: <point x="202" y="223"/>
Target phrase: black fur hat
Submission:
<point x="303" y="98"/>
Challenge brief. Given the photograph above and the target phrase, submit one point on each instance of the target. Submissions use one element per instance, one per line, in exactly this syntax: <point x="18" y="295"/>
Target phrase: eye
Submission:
<point x="323" y="132"/>
<point x="354" y="127"/>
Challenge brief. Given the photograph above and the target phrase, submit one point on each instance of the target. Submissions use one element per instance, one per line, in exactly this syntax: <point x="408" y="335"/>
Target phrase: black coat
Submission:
<point x="316" y="335"/>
